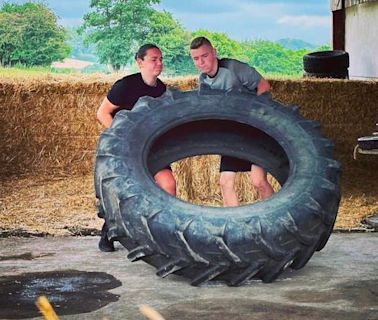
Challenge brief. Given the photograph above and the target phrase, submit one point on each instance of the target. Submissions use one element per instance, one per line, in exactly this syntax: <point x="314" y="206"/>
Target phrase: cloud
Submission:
<point x="240" y="19"/>
<point x="305" y="21"/>
<point x="211" y="7"/>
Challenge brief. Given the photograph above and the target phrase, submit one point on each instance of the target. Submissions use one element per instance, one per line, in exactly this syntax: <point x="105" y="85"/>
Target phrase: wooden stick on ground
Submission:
<point x="46" y="309"/>
<point x="150" y="313"/>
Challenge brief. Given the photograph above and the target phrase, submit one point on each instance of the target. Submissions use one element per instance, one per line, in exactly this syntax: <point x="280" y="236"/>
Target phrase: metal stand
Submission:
<point x="357" y="149"/>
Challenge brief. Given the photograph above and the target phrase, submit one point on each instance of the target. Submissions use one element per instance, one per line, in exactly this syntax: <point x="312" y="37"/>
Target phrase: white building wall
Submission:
<point x="361" y="40"/>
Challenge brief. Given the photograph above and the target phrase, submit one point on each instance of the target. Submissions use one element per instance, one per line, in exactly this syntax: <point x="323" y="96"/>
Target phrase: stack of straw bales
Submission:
<point x="48" y="126"/>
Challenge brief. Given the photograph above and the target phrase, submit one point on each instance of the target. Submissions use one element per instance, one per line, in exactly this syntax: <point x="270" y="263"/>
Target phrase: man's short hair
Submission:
<point x="142" y="51"/>
<point x="200" y="41"/>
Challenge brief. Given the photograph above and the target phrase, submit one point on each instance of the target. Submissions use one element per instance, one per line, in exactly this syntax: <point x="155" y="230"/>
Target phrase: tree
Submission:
<point x="225" y="46"/>
<point x="79" y="49"/>
<point x="173" y="40"/>
<point x="10" y="39"/>
<point x="30" y="35"/>
<point x="117" y="27"/>
<point x="324" y="47"/>
<point x="270" y="57"/>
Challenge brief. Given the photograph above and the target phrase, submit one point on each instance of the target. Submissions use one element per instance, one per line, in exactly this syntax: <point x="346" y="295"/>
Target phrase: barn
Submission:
<point x="355" y="30"/>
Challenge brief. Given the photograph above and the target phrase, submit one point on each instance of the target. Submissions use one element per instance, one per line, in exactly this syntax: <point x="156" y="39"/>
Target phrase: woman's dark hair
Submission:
<point x="200" y="41"/>
<point x="142" y="51"/>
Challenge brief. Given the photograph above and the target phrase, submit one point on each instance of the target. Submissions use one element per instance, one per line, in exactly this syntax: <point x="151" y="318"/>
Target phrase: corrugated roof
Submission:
<point x="338" y="4"/>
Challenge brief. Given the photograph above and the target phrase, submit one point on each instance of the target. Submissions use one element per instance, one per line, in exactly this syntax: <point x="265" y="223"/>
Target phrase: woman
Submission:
<point x="123" y="95"/>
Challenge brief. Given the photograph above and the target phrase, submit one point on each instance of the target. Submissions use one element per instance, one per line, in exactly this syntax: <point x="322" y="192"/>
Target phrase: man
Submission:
<point x="123" y="95"/>
<point x="229" y="74"/>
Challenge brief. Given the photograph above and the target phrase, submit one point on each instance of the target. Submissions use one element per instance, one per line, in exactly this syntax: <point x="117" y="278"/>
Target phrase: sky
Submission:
<point x="308" y="20"/>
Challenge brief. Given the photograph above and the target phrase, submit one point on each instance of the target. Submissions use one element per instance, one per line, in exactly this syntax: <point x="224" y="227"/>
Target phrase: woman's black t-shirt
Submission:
<point x="126" y="91"/>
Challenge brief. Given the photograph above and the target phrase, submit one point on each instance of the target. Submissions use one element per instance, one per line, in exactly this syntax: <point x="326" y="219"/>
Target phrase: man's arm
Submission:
<point x="250" y="78"/>
<point x="105" y="112"/>
<point x="263" y="86"/>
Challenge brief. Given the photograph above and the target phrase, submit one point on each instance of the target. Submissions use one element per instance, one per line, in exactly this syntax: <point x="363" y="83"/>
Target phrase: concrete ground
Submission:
<point x="340" y="282"/>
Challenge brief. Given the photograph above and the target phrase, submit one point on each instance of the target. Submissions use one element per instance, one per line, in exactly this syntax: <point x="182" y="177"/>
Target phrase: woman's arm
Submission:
<point x="105" y="112"/>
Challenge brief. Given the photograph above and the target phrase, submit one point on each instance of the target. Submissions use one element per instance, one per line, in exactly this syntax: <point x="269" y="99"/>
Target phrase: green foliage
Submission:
<point x="19" y="69"/>
<point x="117" y="28"/>
<point x="325" y="47"/>
<point x="173" y="40"/>
<point x="295" y="44"/>
<point x="226" y="47"/>
<point x="79" y="49"/>
<point x="95" y="68"/>
<point x="271" y="58"/>
<point x="266" y="56"/>
<point x="30" y="35"/>
<point x="114" y="29"/>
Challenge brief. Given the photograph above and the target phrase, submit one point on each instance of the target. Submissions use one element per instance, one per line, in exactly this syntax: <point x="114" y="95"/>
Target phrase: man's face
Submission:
<point x="205" y="59"/>
<point x="152" y="63"/>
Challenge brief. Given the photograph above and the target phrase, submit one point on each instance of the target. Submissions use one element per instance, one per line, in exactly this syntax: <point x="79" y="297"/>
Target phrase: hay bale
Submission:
<point x="51" y="124"/>
<point x="49" y="127"/>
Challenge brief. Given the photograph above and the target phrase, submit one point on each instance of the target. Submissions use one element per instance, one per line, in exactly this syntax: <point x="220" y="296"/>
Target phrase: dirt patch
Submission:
<point x="48" y="206"/>
<point x="55" y="206"/>
<point x="25" y="256"/>
<point x="360" y="294"/>
<point x="243" y="309"/>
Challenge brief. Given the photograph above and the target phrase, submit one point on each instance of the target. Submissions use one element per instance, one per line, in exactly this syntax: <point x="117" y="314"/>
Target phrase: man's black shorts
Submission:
<point x="234" y="164"/>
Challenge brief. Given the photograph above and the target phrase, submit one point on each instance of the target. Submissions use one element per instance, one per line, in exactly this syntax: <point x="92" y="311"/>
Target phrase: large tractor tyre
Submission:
<point x="202" y="243"/>
<point x="326" y="64"/>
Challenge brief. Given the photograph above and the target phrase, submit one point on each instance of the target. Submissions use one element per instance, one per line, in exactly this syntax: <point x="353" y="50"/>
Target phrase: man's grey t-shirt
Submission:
<point x="236" y="75"/>
<point x="233" y="74"/>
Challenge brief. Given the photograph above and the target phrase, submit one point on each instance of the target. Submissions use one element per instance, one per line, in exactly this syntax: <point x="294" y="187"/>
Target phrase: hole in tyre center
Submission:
<point x="193" y="151"/>
<point x="198" y="182"/>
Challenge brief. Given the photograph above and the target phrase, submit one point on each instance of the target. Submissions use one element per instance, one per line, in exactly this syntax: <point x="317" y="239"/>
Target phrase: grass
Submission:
<point x="22" y="73"/>
<point x="35" y="70"/>
<point x="25" y="71"/>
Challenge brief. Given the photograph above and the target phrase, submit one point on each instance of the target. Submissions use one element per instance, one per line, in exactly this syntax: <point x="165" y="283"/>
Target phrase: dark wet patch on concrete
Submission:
<point x="5" y="233"/>
<point x="69" y="291"/>
<point x="372" y="221"/>
<point x="245" y="309"/>
<point x="25" y="256"/>
<point x="74" y="231"/>
<point x="78" y="231"/>
<point x="361" y="294"/>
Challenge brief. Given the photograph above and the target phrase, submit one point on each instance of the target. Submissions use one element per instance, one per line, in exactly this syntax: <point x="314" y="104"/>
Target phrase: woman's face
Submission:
<point x="152" y="63"/>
